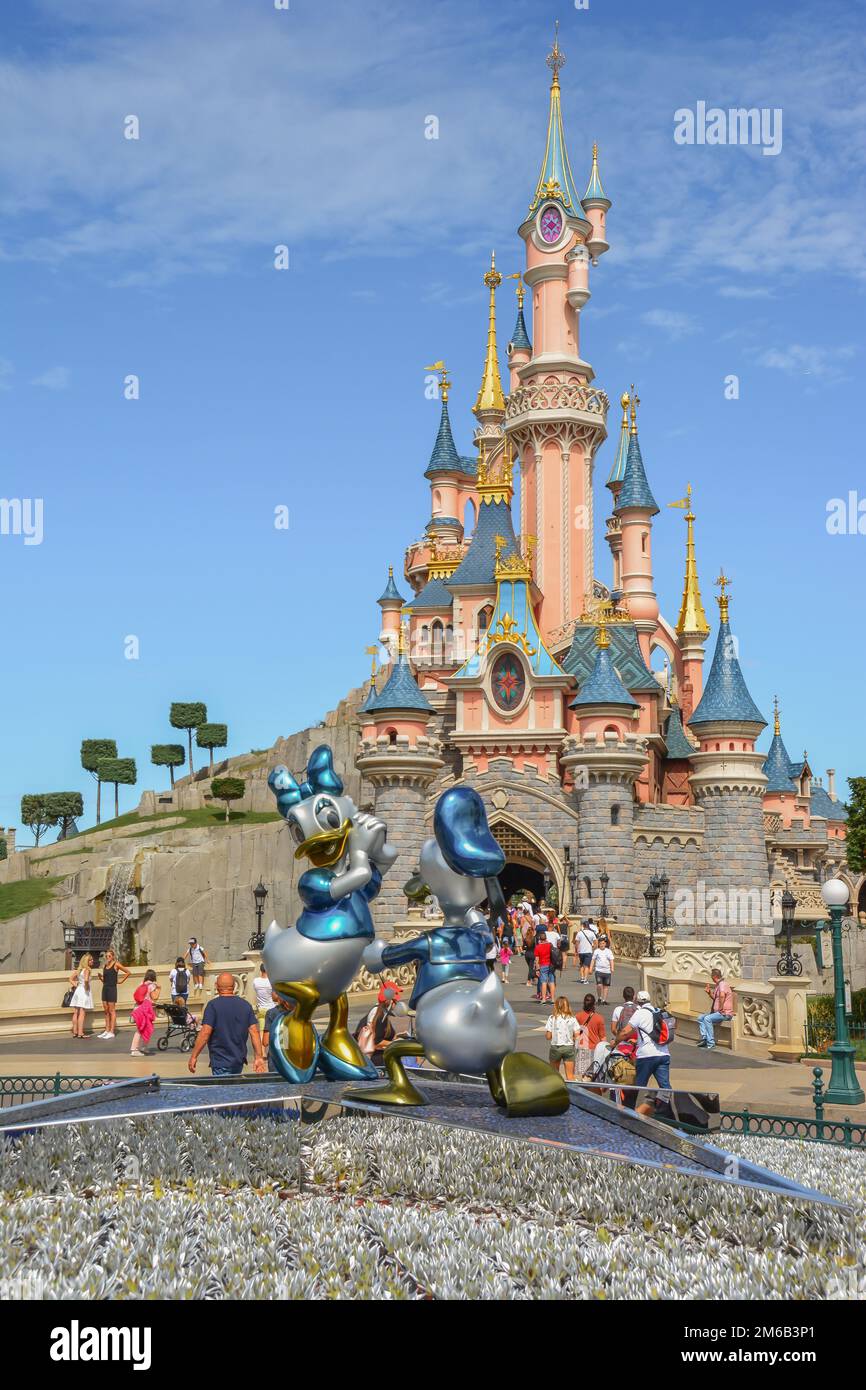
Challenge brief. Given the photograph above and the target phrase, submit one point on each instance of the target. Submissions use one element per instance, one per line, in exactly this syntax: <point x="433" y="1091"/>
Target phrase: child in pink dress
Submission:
<point x="505" y="954"/>
<point x="144" y="1014"/>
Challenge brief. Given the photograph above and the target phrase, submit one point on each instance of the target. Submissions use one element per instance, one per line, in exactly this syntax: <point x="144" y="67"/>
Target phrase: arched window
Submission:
<point x="643" y="540"/>
<point x="449" y="643"/>
<point x="614" y="814"/>
<point x="437" y="642"/>
<point x="468" y="519"/>
<point x="437" y="501"/>
<point x="392" y="735"/>
<point x="484" y="616"/>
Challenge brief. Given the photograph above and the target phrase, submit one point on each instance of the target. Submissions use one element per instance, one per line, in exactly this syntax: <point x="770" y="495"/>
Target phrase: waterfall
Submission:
<point x="115" y="900"/>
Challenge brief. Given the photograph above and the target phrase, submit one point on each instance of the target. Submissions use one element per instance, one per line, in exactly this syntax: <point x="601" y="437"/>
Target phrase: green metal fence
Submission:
<point x="16" y="1090"/>
<point x="819" y="1131"/>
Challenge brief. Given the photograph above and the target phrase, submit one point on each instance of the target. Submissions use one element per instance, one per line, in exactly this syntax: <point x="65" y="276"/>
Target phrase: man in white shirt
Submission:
<point x="652" y="1058"/>
<point x="585" y="941"/>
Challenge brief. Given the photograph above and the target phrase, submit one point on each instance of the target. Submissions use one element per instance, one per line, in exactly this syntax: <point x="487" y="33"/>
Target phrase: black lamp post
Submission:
<point x="572" y="885"/>
<point x="664" y="884"/>
<point x="257" y="940"/>
<point x="651" y="898"/>
<point x="546" y="877"/>
<point x="604" y="879"/>
<point x="789" y="963"/>
<point x="69" y="934"/>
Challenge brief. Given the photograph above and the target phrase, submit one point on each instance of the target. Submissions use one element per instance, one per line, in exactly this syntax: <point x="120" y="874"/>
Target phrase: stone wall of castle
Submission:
<point x="734" y="860"/>
<point x="669" y="838"/>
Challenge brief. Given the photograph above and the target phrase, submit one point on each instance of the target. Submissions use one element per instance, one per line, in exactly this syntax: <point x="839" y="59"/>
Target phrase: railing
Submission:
<point x="17" y="1090"/>
<point x="844" y="1132"/>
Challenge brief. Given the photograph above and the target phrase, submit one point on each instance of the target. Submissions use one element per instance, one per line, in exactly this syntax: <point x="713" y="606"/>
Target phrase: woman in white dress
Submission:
<point x="82" y="999"/>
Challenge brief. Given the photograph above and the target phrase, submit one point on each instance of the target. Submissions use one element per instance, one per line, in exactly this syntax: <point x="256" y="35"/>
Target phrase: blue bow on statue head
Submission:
<point x="320" y="777"/>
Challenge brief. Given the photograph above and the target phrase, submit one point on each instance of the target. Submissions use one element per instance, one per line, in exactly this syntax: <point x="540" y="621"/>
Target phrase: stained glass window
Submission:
<point x="508" y="681"/>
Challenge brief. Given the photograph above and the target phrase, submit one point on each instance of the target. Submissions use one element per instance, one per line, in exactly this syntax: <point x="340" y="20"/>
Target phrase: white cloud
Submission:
<point x="799" y="360"/>
<point x="675" y="324"/>
<point x="54" y="379"/>
<point x="745" y="292"/>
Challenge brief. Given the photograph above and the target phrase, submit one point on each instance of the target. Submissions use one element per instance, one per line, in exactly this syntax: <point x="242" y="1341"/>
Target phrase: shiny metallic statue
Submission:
<point x="463" y="1021"/>
<point x="315" y="961"/>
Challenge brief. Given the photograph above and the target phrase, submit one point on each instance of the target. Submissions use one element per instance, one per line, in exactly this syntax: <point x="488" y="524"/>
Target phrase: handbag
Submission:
<point x="67" y="999"/>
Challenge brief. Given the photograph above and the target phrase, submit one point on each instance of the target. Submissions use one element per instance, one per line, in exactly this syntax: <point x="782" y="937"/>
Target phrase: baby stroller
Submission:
<point x="177" y="1022"/>
<point x="616" y="1067"/>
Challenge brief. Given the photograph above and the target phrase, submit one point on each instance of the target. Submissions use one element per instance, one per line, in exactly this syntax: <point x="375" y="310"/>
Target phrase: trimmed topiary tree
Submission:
<point x="65" y="808"/>
<point x="92" y="751"/>
<point x="228" y="789"/>
<point x="37" y="815"/>
<point x="188" y="716"/>
<point x="856" y="829"/>
<point x="211" y="736"/>
<point x="118" y="770"/>
<point x="170" y="755"/>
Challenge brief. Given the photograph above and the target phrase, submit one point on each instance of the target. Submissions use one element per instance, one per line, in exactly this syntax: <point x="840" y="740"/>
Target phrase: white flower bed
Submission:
<point x="210" y="1207"/>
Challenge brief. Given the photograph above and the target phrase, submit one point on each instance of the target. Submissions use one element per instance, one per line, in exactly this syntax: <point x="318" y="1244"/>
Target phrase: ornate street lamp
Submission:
<point x="789" y="963"/>
<point x="664" y="884"/>
<point x="604" y="880"/>
<point x="844" y="1088"/>
<point x="547" y="878"/>
<point x="651" y="898"/>
<point x="257" y="940"/>
<point x="572" y="886"/>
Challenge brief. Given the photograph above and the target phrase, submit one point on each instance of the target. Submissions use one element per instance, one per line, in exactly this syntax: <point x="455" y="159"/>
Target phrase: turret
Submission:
<point x="635" y="508"/>
<point x="473" y="582"/>
<point x="596" y="207"/>
<point x="519" y="348"/>
<point x="446" y="472"/>
<point x="614" y="482"/>
<point x="391" y="603"/>
<point x="692" y="626"/>
<point x="728" y="785"/>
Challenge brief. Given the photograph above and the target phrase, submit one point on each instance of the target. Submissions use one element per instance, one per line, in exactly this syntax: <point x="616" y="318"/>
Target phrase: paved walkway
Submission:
<point x="775" y="1087"/>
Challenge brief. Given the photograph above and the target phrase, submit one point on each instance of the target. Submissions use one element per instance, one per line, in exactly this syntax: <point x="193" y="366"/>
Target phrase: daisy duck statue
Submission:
<point x="315" y="961"/>
<point x="463" y="1022"/>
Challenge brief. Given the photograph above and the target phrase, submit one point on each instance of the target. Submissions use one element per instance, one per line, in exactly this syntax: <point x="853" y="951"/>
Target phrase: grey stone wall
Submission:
<point x="605" y="845"/>
<point x="669" y="838"/>
<point x="734" y="859"/>
<point x="401" y="804"/>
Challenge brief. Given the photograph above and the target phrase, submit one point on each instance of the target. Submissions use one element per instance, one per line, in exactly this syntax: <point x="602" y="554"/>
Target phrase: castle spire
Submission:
<point x="777" y="728"/>
<point x="617" y="472"/>
<point x="594" y="191"/>
<point x="519" y="338"/>
<point x="556" y="180"/>
<point x="490" y="395"/>
<point x="692" y="616"/>
<point x="726" y="697"/>
<point x="635" y="491"/>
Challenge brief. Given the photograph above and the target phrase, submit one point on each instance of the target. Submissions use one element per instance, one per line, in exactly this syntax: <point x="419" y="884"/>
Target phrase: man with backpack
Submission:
<point x="652" y="1031"/>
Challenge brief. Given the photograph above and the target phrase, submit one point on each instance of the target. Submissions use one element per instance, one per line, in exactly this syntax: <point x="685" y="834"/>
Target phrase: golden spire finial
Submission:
<point x="373" y="652"/>
<point x="520" y="287"/>
<point x="776" y="726"/>
<point x="444" y="379"/>
<point x="556" y="57"/>
<point x="625" y="402"/>
<point x="490" y="395"/>
<point x="602" y="637"/>
<point x="692" y="615"/>
<point x="723" y="599"/>
<point x="635" y="402"/>
<point x="595" y="151"/>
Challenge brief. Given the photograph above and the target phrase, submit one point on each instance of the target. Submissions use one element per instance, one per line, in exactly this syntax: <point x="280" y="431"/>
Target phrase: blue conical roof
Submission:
<point x="478" y="565"/>
<point x="777" y="768"/>
<point x="433" y="597"/>
<point x="400" y="691"/>
<point x="604" y="686"/>
<point x="392" y="593"/>
<point x="677" y="744"/>
<point x="726" y="696"/>
<point x="520" y="337"/>
<point x="444" y="456"/>
<point x="635" y="491"/>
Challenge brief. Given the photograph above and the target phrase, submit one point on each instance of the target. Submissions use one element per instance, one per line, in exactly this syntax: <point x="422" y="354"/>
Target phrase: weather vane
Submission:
<point x="556" y="57"/>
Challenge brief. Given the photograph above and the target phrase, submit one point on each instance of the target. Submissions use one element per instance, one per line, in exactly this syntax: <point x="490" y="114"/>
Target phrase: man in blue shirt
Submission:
<point x="227" y="1024"/>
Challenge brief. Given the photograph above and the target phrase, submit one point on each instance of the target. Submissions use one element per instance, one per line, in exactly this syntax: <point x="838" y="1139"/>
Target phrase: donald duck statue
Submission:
<point x="315" y="961"/>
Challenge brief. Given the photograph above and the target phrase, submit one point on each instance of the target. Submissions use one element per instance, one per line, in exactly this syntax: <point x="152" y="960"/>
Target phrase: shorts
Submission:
<point x="547" y="975"/>
<point x="198" y="970"/>
<point x="561" y="1054"/>
<point x="585" y="957"/>
<point x="602" y="977"/>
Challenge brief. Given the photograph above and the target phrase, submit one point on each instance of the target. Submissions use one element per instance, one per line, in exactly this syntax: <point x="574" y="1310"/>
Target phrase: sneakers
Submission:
<point x="136" y="1054"/>
<point x="703" y="1044"/>
<point x="106" y="1035"/>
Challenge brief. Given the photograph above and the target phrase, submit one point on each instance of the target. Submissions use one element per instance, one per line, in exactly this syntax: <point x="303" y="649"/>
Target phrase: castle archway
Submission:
<point x="527" y="854"/>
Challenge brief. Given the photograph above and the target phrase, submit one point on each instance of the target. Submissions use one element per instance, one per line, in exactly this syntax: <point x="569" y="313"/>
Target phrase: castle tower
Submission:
<point x="520" y="347"/>
<point x="728" y="785"/>
<point x="596" y="206"/>
<point x="635" y="509"/>
<point x="782" y="791"/>
<point x="555" y="417"/>
<point x="399" y="758"/>
<point x="603" y="760"/>
<point x="692" y="626"/>
<point x="446" y="472"/>
<point x="614" y="483"/>
<point x="489" y="407"/>
<point x="473" y="583"/>
<point x="676" y="790"/>
<point x="391" y="603"/>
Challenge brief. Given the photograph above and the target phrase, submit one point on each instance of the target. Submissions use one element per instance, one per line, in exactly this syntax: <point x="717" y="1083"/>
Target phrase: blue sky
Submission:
<point x="305" y="388"/>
